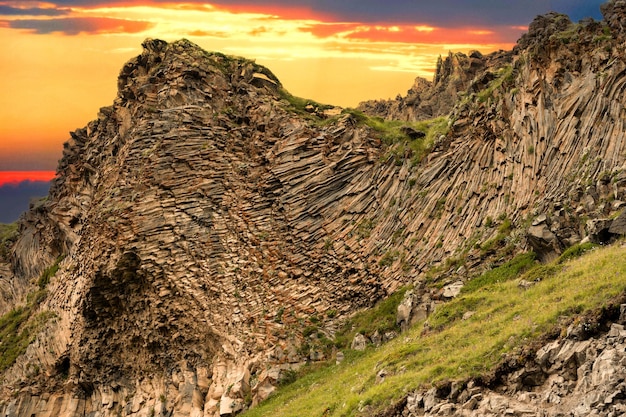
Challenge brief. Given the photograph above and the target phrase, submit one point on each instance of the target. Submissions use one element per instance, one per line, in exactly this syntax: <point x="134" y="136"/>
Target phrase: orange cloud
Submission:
<point x="16" y="177"/>
<point x="258" y="31"/>
<point x="277" y="11"/>
<point x="412" y="34"/>
<point x="325" y="57"/>
<point x="77" y="25"/>
<point x="327" y="30"/>
<point x="208" y="34"/>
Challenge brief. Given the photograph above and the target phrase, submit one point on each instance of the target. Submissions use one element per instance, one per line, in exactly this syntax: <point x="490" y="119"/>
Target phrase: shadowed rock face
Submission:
<point x="206" y="221"/>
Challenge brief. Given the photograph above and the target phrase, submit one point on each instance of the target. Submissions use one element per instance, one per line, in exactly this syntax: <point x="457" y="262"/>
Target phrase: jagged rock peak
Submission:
<point x="614" y="13"/>
<point x="542" y="27"/>
<point x="550" y="37"/>
<point x="426" y="99"/>
<point x="198" y="215"/>
<point x="162" y="63"/>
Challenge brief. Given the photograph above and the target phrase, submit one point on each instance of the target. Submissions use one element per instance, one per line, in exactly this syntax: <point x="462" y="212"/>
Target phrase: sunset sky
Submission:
<point x="60" y="59"/>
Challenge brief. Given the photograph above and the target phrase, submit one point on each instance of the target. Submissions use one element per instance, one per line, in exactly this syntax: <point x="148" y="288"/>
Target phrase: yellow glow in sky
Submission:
<point x="58" y="71"/>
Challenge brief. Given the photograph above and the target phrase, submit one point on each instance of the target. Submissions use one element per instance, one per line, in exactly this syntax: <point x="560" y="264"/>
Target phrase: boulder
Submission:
<point x="359" y="342"/>
<point x="389" y="335"/>
<point x="598" y="230"/>
<point x="376" y="339"/>
<point x="412" y="133"/>
<point x="412" y="309"/>
<point x="380" y="376"/>
<point x="452" y="290"/>
<point x="544" y="243"/>
<point x="618" y="225"/>
<point x="404" y="313"/>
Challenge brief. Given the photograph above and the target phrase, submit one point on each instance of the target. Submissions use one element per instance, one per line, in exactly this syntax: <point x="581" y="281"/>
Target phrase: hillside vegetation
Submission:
<point x="503" y="317"/>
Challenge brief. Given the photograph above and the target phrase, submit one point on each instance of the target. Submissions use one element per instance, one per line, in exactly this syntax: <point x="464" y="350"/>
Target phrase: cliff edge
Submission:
<point x="202" y="223"/>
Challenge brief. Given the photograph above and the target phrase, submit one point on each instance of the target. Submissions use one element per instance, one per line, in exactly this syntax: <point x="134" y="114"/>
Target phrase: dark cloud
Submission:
<point x="14" y="11"/>
<point x="76" y="25"/>
<point x="578" y="9"/>
<point x="15" y="199"/>
<point x="443" y="13"/>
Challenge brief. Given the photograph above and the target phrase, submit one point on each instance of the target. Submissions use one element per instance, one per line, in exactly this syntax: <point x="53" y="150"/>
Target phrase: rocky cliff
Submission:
<point x="428" y="99"/>
<point x="578" y="374"/>
<point x="201" y="223"/>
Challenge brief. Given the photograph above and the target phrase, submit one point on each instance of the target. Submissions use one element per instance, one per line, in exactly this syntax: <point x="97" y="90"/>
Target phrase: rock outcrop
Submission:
<point x="194" y="214"/>
<point x="429" y="99"/>
<point x="205" y="220"/>
<point x="574" y="375"/>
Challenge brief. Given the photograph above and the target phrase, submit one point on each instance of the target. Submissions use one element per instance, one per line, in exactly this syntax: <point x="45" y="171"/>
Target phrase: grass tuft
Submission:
<point x="48" y="273"/>
<point x="381" y="318"/>
<point x="8" y="236"/>
<point x="396" y="134"/>
<point x="18" y="329"/>
<point x="19" y="326"/>
<point x="504" y="75"/>
<point x="299" y="105"/>
<point x="576" y="251"/>
<point x="508" y="271"/>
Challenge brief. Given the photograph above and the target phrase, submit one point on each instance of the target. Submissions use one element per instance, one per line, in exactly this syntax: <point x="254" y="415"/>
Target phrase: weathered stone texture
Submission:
<point x="205" y="221"/>
<point x="425" y="99"/>
<point x="566" y="377"/>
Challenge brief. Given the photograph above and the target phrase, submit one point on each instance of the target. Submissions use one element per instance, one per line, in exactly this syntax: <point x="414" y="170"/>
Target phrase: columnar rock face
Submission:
<point x="196" y="214"/>
<point x="426" y="99"/>
<point x="204" y="220"/>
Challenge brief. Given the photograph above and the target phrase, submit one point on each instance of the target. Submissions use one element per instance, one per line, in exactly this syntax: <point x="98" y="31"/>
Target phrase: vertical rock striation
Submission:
<point x="206" y="219"/>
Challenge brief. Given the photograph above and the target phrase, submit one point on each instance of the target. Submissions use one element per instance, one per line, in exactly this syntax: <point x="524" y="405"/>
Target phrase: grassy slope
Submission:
<point x="505" y="317"/>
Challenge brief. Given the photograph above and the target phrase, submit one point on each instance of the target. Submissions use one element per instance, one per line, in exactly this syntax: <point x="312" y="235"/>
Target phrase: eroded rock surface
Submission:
<point x="428" y="99"/>
<point x="570" y="376"/>
<point x="205" y="222"/>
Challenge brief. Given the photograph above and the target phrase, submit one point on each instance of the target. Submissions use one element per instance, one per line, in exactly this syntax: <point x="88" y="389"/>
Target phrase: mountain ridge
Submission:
<point x="207" y="218"/>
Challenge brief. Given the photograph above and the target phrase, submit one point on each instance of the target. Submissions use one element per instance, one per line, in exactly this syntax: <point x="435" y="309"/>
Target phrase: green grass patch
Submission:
<point x="48" y="273"/>
<point x="8" y="236"/>
<point x="576" y="251"/>
<point x="299" y="105"/>
<point x="504" y="230"/>
<point x="381" y="318"/>
<point x="18" y="329"/>
<point x="19" y="326"/>
<point x="504" y="75"/>
<point x="570" y="34"/>
<point x="505" y="317"/>
<point x="13" y="339"/>
<point x="364" y="228"/>
<point x="389" y="258"/>
<point x="509" y="270"/>
<point x="7" y="231"/>
<point x="395" y="133"/>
